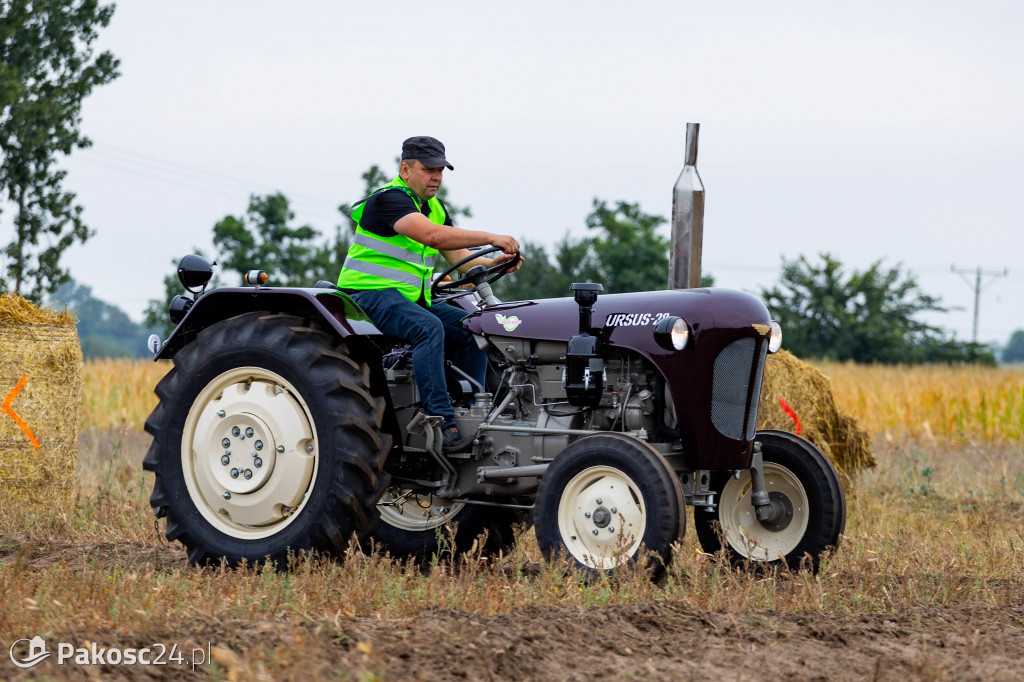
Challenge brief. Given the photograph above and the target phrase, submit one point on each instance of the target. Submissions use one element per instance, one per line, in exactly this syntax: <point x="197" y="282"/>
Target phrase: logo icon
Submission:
<point x="36" y="652"/>
<point x="509" y="323"/>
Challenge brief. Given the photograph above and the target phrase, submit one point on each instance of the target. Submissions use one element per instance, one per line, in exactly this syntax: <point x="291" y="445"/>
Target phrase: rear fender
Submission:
<point x="336" y="310"/>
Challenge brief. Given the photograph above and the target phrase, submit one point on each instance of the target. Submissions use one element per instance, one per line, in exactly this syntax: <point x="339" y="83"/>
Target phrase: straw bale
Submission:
<point x="809" y="394"/>
<point x="39" y="350"/>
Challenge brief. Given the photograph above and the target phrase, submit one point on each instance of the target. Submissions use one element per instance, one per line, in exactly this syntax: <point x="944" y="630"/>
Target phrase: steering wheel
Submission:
<point x="472" y="279"/>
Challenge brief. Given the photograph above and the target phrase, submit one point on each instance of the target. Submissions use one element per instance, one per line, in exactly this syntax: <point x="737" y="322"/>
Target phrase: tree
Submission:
<point x="1014" y="351"/>
<point x="262" y="239"/>
<point x="47" y="68"/>
<point x="375" y="177"/>
<point x="545" y="276"/>
<point x="626" y="254"/>
<point x="866" y="317"/>
<point x="632" y="256"/>
<point x="104" y="330"/>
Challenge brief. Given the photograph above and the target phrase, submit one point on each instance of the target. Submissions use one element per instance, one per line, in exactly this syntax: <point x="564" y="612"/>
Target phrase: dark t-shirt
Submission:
<point x="384" y="209"/>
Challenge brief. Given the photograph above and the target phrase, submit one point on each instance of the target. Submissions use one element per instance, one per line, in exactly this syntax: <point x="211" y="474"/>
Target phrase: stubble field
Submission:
<point x="928" y="582"/>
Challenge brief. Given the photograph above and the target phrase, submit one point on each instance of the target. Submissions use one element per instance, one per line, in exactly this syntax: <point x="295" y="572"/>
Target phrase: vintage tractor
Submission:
<point x="290" y="423"/>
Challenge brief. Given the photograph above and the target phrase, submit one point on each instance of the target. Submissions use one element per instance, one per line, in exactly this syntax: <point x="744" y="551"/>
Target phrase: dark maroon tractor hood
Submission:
<point x="714" y="380"/>
<point x="626" y="319"/>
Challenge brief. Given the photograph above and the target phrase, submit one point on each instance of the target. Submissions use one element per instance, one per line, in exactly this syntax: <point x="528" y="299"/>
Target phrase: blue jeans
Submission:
<point x="432" y="332"/>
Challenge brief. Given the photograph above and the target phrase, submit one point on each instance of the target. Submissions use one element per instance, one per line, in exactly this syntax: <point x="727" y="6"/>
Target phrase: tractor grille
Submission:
<point x="755" y="396"/>
<point x="731" y="386"/>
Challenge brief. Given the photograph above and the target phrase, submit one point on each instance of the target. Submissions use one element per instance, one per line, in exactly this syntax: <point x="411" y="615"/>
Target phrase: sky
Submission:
<point x="870" y="130"/>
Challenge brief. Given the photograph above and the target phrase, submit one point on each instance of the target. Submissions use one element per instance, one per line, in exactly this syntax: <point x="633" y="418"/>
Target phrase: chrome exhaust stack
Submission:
<point x="687" y="220"/>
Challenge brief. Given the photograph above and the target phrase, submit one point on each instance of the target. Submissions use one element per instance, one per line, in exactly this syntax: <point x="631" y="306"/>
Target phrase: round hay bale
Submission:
<point x="41" y="388"/>
<point x="795" y="393"/>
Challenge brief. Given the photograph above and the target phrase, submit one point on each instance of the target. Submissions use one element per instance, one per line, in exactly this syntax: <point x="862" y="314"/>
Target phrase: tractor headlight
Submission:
<point x="194" y="272"/>
<point x="672" y="333"/>
<point x="775" y="338"/>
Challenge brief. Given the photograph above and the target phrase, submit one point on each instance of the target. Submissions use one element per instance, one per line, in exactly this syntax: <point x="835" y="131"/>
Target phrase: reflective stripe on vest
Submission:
<point x="397" y="262"/>
<point x="372" y="241"/>
<point x="382" y="272"/>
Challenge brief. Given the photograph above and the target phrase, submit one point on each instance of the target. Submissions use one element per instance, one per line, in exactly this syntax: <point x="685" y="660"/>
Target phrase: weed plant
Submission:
<point x="937" y="523"/>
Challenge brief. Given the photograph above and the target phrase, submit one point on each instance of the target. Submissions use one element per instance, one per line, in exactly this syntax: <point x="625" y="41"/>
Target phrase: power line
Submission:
<point x="978" y="287"/>
<point x="194" y="171"/>
<point x="193" y="178"/>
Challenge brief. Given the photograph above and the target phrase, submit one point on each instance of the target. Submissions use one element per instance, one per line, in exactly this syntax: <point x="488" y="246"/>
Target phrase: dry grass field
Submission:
<point x="928" y="582"/>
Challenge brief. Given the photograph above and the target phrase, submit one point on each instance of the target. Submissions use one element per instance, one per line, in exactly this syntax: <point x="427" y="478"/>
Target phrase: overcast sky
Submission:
<point x="871" y="130"/>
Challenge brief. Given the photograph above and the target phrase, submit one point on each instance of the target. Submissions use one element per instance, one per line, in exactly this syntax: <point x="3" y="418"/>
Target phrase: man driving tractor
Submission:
<point x="400" y="228"/>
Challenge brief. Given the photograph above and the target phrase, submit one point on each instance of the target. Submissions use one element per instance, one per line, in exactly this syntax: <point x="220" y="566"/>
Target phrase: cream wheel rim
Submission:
<point x="748" y="536"/>
<point x="409" y="511"/>
<point x="249" y="453"/>
<point x="602" y="517"/>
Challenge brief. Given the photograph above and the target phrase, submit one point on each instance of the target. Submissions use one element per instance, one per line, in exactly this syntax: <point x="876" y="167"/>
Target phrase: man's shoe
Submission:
<point x="452" y="439"/>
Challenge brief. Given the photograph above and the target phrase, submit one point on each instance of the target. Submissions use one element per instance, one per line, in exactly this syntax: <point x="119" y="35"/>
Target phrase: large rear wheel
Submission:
<point x="805" y="487"/>
<point x="266" y="441"/>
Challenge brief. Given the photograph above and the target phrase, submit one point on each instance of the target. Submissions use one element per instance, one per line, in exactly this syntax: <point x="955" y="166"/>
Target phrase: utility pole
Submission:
<point x="977" y="286"/>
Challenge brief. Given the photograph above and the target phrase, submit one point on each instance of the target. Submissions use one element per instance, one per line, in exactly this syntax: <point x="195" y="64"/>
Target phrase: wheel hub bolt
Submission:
<point x="594" y="531"/>
<point x="235" y="431"/>
<point x="614" y="510"/>
<point x="226" y="496"/>
<point x="611" y="529"/>
<point x="257" y="463"/>
<point x="226" y="442"/>
<point x="599" y="500"/>
<point x="602" y="517"/>
<point x="309" y="448"/>
<point x="258" y="445"/>
<point x="224" y="460"/>
<point x="234" y="473"/>
<point x="248" y="474"/>
<point x="227" y="452"/>
<point x="586" y="515"/>
<point x="278" y="391"/>
<point x="220" y="413"/>
<point x="254" y="453"/>
<point x="280" y="448"/>
<point x="248" y="432"/>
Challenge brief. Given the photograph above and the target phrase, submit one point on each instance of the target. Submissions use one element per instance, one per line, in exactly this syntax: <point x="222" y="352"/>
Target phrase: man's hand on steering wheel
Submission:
<point x="502" y="257"/>
<point x="499" y="267"/>
<point x="506" y="243"/>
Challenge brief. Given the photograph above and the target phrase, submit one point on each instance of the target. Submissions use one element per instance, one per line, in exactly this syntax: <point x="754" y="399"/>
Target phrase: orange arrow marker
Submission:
<point x="14" y="415"/>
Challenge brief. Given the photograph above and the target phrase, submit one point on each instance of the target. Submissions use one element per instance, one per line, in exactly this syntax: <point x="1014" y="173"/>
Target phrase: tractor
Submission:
<point x="290" y="424"/>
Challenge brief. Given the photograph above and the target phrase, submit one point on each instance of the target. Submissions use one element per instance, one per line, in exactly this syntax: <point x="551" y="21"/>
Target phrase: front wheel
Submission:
<point x="606" y="499"/>
<point x="266" y="441"/>
<point x="801" y="480"/>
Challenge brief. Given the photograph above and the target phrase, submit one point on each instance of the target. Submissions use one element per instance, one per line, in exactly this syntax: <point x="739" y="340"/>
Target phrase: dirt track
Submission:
<point x="644" y="641"/>
<point x="663" y="641"/>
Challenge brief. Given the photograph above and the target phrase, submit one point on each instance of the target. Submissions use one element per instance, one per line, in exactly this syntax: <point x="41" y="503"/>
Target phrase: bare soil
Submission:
<point x="661" y="640"/>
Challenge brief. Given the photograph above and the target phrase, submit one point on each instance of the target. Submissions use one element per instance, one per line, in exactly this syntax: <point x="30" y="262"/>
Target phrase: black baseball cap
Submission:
<point x="427" y="150"/>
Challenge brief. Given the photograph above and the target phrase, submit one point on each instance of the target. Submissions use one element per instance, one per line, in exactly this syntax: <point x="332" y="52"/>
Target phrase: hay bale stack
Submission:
<point x="808" y="394"/>
<point x="41" y="389"/>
